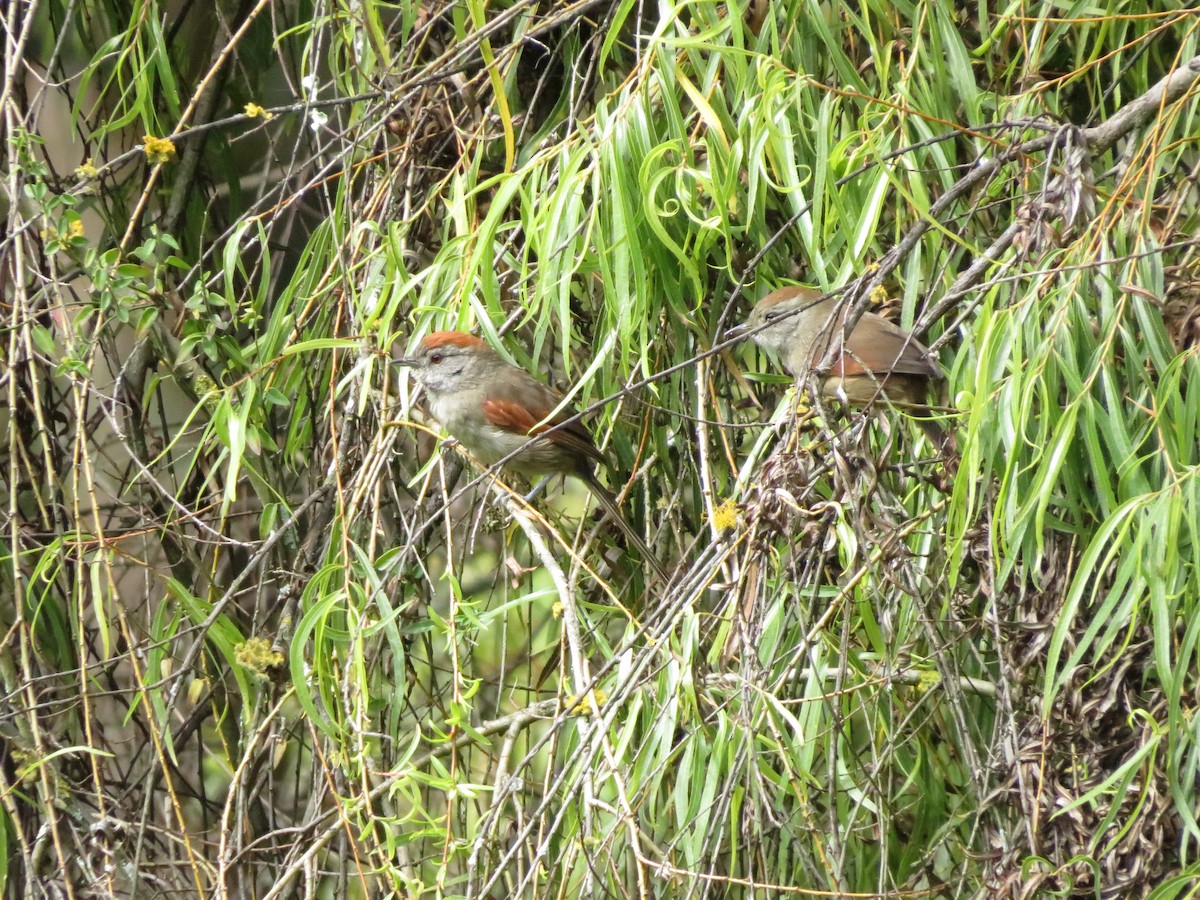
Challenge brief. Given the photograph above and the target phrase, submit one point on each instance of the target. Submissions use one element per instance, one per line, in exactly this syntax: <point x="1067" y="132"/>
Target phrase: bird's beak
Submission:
<point x="404" y="361"/>
<point x="736" y="331"/>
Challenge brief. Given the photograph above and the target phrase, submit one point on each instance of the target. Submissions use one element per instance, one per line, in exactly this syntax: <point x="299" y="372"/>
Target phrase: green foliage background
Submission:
<point x="263" y="634"/>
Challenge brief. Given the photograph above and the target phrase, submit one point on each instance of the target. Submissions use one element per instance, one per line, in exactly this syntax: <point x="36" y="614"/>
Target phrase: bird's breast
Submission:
<point x="462" y="415"/>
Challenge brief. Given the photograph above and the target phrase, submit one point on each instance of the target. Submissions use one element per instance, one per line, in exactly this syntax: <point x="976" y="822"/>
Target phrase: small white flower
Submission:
<point x="317" y="119"/>
<point x="309" y="83"/>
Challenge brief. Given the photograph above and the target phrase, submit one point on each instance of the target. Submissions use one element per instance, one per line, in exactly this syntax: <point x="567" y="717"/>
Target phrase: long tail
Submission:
<point x="609" y="502"/>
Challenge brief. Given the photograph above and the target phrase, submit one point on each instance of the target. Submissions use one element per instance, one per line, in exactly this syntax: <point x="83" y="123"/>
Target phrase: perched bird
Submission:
<point x="497" y="409"/>
<point x="878" y="360"/>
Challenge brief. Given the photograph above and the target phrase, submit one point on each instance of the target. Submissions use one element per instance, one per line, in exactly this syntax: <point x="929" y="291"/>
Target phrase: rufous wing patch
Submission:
<point x="515" y="417"/>
<point x="847" y="365"/>
<point x="518" y="418"/>
<point x="878" y="347"/>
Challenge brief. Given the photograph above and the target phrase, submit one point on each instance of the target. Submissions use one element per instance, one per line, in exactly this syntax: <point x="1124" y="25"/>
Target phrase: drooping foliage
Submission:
<point x="263" y="632"/>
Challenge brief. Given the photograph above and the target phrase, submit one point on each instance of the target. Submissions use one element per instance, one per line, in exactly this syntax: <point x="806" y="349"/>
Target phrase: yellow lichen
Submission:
<point x="725" y="516"/>
<point x="927" y="681"/>
<point x="257" y="656"/>
<point x="158" y="150"/>
<point x="584" y="707"/>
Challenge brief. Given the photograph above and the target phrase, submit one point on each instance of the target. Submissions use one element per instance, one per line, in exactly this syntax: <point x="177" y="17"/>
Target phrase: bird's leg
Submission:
<point x="538" y="488"/>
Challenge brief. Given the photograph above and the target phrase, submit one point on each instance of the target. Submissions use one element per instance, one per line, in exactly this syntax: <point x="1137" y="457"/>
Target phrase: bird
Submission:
<point x="504" y="415"/>
<point x="878" y="360"/>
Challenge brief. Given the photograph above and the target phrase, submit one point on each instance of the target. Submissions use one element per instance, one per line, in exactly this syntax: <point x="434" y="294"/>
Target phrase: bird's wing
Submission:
<point x="876" y="345"/>
<point x="525" y="408"/>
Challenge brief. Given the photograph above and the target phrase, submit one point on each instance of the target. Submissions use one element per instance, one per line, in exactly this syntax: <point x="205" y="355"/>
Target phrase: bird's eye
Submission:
<point x="436" y="356"/>
<point x="771" y="316"/>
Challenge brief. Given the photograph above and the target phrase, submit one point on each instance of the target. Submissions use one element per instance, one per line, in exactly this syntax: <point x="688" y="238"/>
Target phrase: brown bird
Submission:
<point x="500" y="411"/>
<point x="878" y="359"/>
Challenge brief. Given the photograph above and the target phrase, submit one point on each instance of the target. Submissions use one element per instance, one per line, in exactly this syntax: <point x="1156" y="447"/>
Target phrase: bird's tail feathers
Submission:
<point x="609" y="502"/>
